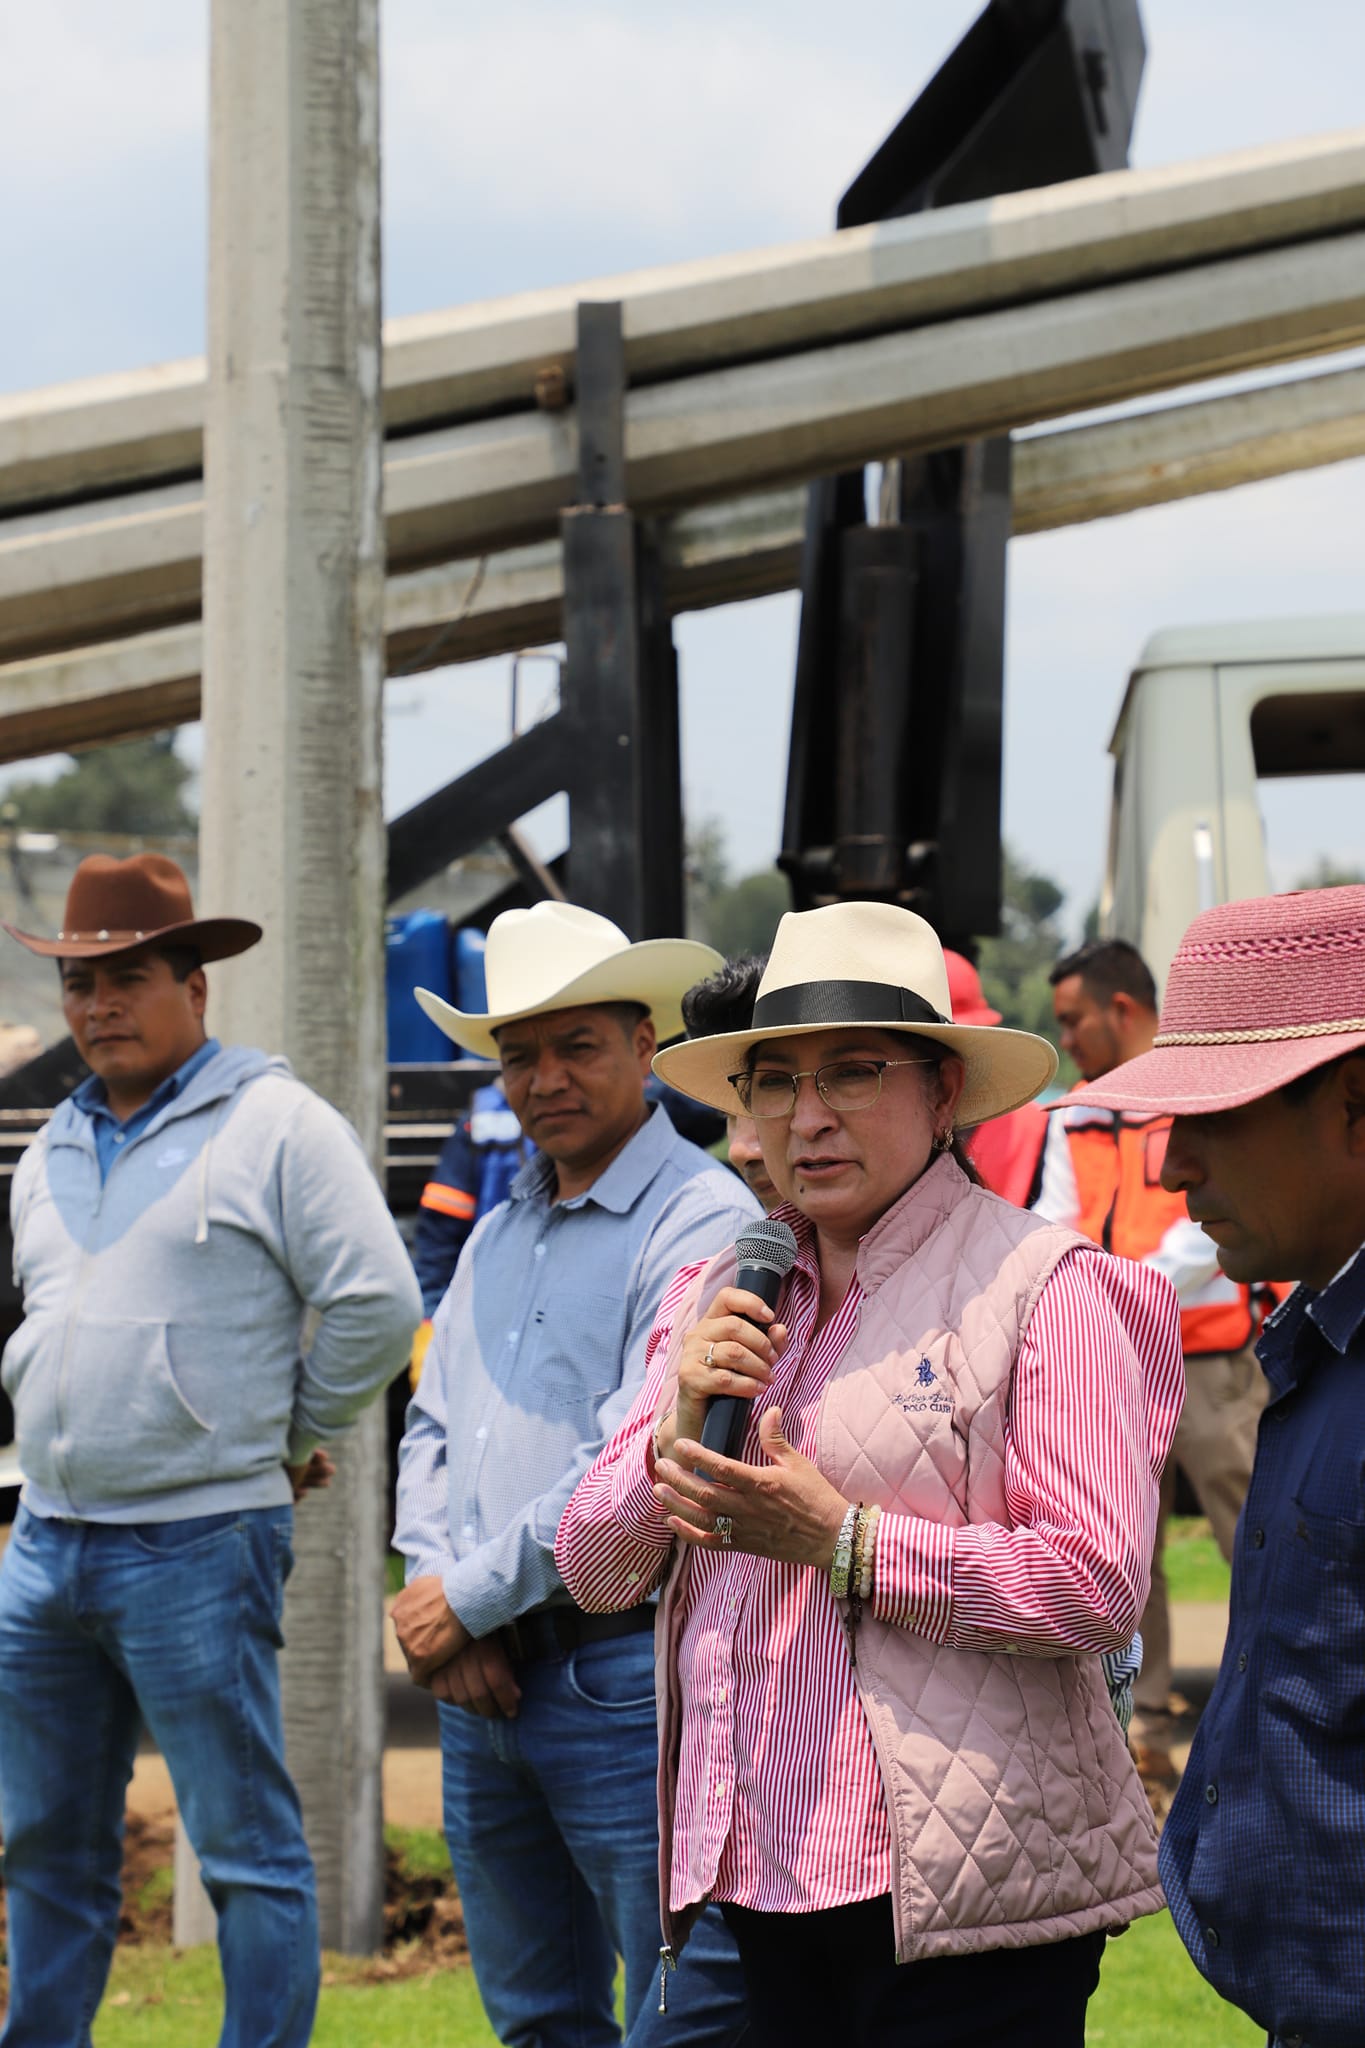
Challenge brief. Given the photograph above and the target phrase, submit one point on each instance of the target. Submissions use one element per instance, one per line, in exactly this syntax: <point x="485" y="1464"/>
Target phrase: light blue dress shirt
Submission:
<point x="536" y="1354"/>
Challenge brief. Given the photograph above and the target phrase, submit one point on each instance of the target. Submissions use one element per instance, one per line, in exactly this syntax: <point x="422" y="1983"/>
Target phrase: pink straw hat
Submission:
<point x="1259" y="993"/>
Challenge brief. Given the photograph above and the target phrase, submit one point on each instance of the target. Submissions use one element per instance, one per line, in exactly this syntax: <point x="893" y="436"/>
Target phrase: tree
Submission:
<point x="1014" y="967"/>
<point x="1328" y="873"/>
<point x="136" y="787"/>
<point x="744" y="917"/>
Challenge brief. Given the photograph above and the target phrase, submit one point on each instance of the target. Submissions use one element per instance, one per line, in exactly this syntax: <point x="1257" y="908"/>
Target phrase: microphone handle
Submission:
<point x="727" y="1416"/>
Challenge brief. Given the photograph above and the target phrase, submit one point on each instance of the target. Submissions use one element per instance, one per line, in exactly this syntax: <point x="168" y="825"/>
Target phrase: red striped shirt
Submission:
<point x="780" y="1804"/>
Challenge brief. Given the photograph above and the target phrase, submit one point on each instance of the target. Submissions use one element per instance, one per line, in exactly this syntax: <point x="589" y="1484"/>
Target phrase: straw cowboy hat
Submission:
<point x="1259" y="993"/>
<point x="555" y="956"/>
<point x="114" y="905"/>
<point x="871" y="966"/>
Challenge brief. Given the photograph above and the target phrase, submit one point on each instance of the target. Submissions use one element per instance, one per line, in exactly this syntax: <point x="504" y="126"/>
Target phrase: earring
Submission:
<point x="943" y="1142"/>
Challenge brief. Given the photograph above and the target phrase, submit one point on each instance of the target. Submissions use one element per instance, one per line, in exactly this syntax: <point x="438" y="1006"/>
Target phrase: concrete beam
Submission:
<point x="715" y="554"/>
<point x="67" y="577"/>
<point x="449" y="366"/>
<point x="292" y="824"/>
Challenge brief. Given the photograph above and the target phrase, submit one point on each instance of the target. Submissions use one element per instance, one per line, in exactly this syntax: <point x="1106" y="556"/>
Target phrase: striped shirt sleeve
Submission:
<point x="1095" y="1397"/>
<point x="613" y="1541"/>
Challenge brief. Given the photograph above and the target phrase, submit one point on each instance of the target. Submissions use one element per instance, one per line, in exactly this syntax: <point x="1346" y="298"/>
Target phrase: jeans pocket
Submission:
<point x="617" y="1675"/>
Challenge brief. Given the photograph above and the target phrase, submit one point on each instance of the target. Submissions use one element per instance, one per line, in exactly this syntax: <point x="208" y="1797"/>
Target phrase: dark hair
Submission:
<point x="183" y="959"/>
<point x="725" y="1000"/>
<point x="1302" y="1086"/>
<point x="627" y="1015"/>
<point x="1108" y="968"/>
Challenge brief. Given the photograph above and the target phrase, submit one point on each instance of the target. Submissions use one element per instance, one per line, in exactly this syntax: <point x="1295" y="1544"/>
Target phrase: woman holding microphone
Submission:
<point x="886" y="1744"/>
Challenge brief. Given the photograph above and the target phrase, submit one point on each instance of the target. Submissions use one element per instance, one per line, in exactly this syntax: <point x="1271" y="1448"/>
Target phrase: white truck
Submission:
<point x="1210" y="711"/>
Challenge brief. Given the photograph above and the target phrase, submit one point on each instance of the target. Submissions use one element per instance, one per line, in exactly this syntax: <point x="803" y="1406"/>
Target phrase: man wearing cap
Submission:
<point x="538" y="1349"/>
<point x="1260" y="1056"/>
<point x="175" y="1223"/>
<point x="1102" y="1175"/>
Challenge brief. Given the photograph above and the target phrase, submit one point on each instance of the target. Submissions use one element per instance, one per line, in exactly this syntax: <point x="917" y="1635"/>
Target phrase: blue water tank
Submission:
<point x="417" y="955"/>
<point x="471" y="989"/>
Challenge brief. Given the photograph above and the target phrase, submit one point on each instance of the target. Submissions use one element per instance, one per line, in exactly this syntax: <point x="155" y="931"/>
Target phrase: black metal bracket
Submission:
<point x="900" y="661"/>
<point x="613" y="745"/>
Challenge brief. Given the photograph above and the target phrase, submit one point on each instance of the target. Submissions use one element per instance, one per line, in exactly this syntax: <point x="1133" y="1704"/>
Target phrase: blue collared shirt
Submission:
<point x="112" y="1136"/>
<point x="537" y="1352"/>
<point x="1263" y="1855"/>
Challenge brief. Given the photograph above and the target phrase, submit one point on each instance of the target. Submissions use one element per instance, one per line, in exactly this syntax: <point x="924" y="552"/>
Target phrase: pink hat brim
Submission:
<point x="1202" y="1080"/>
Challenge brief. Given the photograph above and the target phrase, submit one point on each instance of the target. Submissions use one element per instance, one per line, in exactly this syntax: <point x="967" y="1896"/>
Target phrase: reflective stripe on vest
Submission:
<point x="1117" y="1162"/>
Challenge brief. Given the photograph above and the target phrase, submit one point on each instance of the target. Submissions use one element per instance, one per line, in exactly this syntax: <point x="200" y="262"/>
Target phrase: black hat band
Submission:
<point x="843" y="1002"/>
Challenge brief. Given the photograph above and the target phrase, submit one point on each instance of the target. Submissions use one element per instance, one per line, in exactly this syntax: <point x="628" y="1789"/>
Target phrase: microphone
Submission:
<point x="764" y="1255"/>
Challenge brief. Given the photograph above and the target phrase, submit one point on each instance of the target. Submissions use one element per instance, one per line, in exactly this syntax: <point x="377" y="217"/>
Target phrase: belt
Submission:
<point x="556" y="1631"/>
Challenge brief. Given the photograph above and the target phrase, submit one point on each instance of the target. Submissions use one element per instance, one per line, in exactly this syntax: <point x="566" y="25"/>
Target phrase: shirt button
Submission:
<point x="1210" y="1937"/>
<point x="1211" y="1794"/>
<point x="469" y="1530"/>
<point x="512" y="1336"/>
<point x="119" y="1137"/>
<point x="540" y="1251"/>
<point x="1258" y="1539"/>
<point x="1242" y="1661"/>
<point x="480" y="1433"/>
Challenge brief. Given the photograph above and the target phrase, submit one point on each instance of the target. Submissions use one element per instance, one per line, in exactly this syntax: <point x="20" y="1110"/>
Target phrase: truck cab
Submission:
<point x="1210" y="713"/>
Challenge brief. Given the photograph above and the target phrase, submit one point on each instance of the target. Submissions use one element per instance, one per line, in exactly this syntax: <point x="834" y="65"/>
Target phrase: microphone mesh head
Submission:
<point x="767" y="1243"/>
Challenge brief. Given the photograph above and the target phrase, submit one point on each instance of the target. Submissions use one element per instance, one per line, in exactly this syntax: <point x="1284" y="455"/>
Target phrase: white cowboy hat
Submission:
<point x="555" y="956"/>
<point x="871" y="966"/>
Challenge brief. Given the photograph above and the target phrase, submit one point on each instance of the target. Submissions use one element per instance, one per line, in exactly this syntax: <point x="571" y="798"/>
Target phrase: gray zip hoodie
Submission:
<point x="232" y="1295"/>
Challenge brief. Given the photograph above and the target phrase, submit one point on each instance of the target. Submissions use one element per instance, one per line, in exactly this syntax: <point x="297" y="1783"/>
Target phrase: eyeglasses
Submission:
<point x="843" y="1084"/>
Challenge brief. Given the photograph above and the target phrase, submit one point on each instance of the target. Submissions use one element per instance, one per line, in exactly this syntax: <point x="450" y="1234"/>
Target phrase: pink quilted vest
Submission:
<point x="1017" y="1815"/>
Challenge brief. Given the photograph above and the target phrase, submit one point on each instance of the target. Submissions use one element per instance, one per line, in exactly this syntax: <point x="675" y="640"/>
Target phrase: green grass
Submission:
<point x="1194" y="1564"/>
<point x="394" y="1567"/>
<point x="1149" y="1997"/>
<point x="160" y="1999"/>
<point x="423" y="1850"/>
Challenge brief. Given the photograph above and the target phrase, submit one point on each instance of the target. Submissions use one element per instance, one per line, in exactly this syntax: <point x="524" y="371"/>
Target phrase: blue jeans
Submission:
<point x="552" y="1824"/>
<point x="177" y="1623"/>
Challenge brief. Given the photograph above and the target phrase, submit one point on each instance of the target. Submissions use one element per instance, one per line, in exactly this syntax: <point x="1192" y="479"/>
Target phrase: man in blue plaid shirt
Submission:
<point x="1261" y="1057"/>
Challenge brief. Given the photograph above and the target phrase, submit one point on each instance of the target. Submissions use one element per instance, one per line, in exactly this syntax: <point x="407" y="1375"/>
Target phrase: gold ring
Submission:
<point x="710" y="1355"/>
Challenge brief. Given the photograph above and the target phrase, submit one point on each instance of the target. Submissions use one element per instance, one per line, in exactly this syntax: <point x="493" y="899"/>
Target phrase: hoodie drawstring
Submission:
<point x="201" y="1229"/>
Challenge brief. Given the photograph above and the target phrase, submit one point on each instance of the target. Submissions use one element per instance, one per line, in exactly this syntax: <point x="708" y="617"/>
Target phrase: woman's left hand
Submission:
<point x="785" y="1508"/>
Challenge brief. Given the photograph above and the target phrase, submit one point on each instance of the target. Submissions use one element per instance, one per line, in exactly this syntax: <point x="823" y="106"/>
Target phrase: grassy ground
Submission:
<point x="1194" y="1564"/>
<point x="1149" y="1997"/>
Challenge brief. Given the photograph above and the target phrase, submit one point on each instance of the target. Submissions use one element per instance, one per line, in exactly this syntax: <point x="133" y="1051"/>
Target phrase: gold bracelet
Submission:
<point x="868" y="1553"/>
<point x="654" y="1450"/>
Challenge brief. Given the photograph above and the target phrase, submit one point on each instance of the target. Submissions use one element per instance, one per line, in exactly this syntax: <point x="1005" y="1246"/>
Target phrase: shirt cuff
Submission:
<point x="634" y="1509"/>
<point x="912" y="1581"/>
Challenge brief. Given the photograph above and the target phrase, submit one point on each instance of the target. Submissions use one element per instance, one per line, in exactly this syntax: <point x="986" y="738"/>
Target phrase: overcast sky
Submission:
<point x="543" y="141"/>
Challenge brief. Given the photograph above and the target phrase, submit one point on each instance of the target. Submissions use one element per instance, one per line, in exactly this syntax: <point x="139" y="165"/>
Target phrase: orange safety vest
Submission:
<point x="1117" y="1159"/>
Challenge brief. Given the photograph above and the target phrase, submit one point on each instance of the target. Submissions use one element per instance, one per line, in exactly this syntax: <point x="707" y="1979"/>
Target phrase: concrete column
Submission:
<point x="292" y="830"/>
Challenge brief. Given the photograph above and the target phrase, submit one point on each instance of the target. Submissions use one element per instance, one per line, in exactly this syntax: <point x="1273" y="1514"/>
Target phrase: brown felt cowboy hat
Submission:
<point x="114" y="905"/>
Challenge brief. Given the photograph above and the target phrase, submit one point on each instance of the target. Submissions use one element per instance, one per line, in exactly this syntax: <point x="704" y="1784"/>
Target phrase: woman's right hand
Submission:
<point x="722" y="1355"/>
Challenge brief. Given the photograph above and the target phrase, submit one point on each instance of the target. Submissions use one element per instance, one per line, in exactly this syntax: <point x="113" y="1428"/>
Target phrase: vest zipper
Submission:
<point x="667" y="1961"/>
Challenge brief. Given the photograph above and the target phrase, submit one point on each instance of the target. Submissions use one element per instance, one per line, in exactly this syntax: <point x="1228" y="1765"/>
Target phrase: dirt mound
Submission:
<point x="423" y="1923"/>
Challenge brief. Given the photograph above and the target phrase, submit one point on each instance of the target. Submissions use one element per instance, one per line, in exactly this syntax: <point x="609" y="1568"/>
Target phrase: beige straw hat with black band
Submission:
<point x="873" y="967"/>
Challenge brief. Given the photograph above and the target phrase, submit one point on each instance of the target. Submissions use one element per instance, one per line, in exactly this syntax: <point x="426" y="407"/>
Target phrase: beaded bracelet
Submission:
<point x="842" y="1560"/>
<point x="867" y="1551"/>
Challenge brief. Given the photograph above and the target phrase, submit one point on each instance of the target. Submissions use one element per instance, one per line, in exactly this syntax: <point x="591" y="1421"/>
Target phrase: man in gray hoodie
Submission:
<point x="212" y="1287"/>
